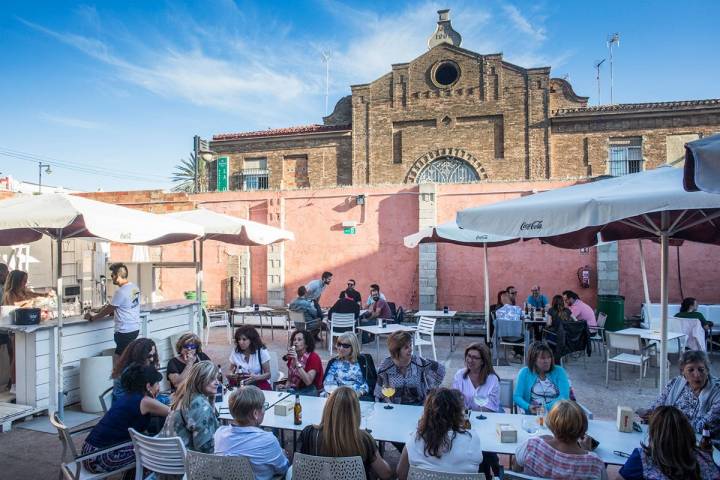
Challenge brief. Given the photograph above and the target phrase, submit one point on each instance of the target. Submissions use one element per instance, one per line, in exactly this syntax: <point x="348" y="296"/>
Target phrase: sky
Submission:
<point x="111" y="93"/>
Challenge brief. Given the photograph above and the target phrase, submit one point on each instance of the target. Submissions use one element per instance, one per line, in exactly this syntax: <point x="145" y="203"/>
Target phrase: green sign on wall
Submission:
<point x="349" y="230"/>
<point x="222" y="174"/>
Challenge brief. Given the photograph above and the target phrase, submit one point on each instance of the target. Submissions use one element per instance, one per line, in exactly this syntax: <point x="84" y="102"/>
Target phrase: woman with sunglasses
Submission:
<point x="349" y="368"/>
<point x="141" y="351"/>
<point x="189" y="352"/>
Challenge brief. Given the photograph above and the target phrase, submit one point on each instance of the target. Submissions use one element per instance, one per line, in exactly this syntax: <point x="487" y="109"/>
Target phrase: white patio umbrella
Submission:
<point x="650" y="204"/>
<point x="228" y="229"/>
<point x="450" y="233"/>
<point x="27" y="218"/>
<point x="702" y="165"/>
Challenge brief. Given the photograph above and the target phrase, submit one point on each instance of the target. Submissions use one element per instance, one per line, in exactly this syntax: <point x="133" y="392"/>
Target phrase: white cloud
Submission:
<point x="523" y="24"/>
<point x="72" y="122"/>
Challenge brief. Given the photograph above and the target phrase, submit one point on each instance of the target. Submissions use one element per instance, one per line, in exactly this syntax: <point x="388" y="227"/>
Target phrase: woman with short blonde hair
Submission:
<point x="564" y="454"/>
<point x="349" y="368"/>
<point x="339" y="434"/>
<point x="189" y="351"/>
<point x="192" y="416"/>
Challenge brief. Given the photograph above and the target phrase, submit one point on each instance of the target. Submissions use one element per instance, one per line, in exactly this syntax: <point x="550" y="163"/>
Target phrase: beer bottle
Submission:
<point x="219" y="391"/>
<point x="297" y="411"/>
<point x="705" y="441"/>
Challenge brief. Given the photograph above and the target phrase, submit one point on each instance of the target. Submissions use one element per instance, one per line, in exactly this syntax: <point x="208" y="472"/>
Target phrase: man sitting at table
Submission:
<point x="312" y="316"/>
<point x="345" y="304"/>
<point x="536" y="299"/>
<point x="379" y="307"/>
<point x="580" y="310"/>
<point x="370" y="299"/>
<point x="351" y="292"/>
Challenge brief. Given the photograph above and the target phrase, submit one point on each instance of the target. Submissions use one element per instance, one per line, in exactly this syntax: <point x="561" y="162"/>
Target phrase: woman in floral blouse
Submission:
<point x="411" y="376"/>
<point x="193" y="417"/>
<point x="348" y="368"/>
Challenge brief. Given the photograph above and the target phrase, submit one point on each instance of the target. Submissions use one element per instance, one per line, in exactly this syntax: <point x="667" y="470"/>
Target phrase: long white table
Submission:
<point x="250" y="310"/>
<point x="395" y="425"/>
<point x="386" y="330"/>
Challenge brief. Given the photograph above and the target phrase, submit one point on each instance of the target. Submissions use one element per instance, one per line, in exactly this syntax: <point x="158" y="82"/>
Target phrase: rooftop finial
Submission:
<point x="444" y="32"/>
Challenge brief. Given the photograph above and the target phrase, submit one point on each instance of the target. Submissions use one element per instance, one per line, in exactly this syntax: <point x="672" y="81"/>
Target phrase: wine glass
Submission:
<point x="388" y="392"/>
<point x="366" y="411"/>
<point x="480" y="399"/>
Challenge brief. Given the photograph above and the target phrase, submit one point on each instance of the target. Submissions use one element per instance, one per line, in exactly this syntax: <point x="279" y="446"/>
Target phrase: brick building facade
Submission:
<point x="455" y="116"/>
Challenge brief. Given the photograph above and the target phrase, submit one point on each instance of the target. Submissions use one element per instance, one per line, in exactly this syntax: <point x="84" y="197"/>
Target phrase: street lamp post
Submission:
<point x="46" y="166"/>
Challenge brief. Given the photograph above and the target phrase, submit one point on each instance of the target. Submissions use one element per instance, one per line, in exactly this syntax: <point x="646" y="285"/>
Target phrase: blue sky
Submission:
<point x="121" y="87"/>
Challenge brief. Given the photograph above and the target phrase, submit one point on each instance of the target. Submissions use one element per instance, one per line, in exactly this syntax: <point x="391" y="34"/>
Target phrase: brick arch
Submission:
<point x="429" y="157"/>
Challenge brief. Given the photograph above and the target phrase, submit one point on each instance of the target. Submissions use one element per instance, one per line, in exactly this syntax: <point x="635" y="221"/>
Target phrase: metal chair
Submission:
<point x="626" y="342"/>
<point x="342" y="321"/>
<point x="425" y="326"/>
<point x="159" y="455"/>
<point x="310" y="467"/>
<point x="506" y="394"/>
<point x="516" y="339"/>
<point x="598" y="338"/>
<point x="417" y="473"/>
<point x="206" y="466"/>
<point x="106" y="399"/>
<point x="217" y="318"/>
<point x="297" y="319"/>
<point x="71" y="466"/>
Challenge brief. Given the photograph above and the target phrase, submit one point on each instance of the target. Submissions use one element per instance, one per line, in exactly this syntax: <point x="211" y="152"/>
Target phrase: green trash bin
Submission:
<point x="192" y="295"/>
<point x="614" y="307"/>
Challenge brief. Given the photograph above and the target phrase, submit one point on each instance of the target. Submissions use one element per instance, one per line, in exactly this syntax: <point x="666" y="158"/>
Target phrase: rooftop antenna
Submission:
<point x="326" y="58"/>
<point x="613" y="39"/>
<point x="597" y="65"/>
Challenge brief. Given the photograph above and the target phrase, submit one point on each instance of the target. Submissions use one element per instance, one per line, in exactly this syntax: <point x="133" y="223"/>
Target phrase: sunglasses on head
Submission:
<point x="190" y="346"/>
<point x="344" y="345"/>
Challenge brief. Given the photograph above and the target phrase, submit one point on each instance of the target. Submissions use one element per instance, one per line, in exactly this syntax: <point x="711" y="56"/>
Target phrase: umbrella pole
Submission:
<point x="487" y="293"/>
<point x="645" y="282"/>
<point x="664" y="251"/>
<point x="199" y="282"/>
<point x="60" y="380"/>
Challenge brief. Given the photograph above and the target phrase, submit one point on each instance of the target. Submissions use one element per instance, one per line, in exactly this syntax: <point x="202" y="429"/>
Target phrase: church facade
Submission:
<point x="455" y="116"/>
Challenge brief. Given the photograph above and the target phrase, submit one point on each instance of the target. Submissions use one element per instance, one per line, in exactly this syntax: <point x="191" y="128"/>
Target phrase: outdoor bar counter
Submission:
<point x="35" y="347"/>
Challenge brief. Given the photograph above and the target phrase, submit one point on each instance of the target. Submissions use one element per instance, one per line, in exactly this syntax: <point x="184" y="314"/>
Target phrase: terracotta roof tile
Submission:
<point x="625" y="107"/>
<point x="273" y="132"/>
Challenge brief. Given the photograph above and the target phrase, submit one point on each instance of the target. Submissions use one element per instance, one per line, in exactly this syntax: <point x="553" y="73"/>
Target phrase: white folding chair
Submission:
<point x="297" y="319"/>
<point x="425" y="326"/>
<point x="417" y="473"/>
<point x="506" y="394"/>
<point x="633" y="343"/>
<point x="159" y="455"/>
<point x="310" y="467"/>
<point x="341" y="322"/>
<point x="276" y="376"/>
<point x="217" y="318"/>
<point x="598" y="338"/>
<point x="206" y="466"/>
<point x="71" y="466"/>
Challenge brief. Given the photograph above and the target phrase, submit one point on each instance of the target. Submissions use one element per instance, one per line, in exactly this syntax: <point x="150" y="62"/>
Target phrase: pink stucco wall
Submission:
<point x="376" y="254"/>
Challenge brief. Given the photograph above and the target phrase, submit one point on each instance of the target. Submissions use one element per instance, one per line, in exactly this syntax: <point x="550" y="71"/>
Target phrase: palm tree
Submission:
<point x="185" y="175"/>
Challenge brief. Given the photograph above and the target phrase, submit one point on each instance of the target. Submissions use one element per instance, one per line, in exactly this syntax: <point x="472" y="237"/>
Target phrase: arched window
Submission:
<point x="448" y="170"/>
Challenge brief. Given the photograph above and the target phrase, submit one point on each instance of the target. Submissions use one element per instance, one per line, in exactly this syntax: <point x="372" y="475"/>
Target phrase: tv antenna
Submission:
<point x="326" y="58"/>
<point x="597" y="65"/>
<point x="613" y="39"/>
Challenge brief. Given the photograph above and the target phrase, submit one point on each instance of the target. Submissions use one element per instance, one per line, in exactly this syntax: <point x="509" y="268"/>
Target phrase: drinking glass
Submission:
<point x="481" y="399"/>
<point x="366" y="411"/>
<point x="388" y="392"/>
<point x="530" y="425"/>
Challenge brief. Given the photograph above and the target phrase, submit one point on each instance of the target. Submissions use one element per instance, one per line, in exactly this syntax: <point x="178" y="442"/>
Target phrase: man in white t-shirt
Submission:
<point x="124" y="307"/>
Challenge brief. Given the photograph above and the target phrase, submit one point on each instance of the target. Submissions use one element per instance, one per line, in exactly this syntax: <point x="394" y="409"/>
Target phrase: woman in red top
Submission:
<point x="305" y="372"/>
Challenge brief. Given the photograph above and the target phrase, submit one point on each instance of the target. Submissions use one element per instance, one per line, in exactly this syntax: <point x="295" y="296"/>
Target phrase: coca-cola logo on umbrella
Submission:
<point x="535" y="225"/>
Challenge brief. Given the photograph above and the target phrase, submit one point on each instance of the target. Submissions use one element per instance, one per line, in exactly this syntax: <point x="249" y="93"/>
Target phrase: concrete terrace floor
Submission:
<point x="26" y="454"/>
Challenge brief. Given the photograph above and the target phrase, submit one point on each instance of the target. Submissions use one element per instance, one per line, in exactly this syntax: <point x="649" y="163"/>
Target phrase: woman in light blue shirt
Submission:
<point x="345" y="370"/>
<point x="245" y="437"/>
<point x="541" y="382"/>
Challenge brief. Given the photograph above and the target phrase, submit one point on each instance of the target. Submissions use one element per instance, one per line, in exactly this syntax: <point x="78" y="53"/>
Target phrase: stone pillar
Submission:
<point x="427" y="261"/>
<point x="276" y="256"/>
<point x="238" y="267"/>
<point x="607" y="269"/>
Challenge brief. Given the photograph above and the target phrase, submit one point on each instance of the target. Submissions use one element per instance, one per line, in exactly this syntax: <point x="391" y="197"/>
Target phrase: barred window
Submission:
<point x="625" y="156"/>
<point x="448" y="170"/>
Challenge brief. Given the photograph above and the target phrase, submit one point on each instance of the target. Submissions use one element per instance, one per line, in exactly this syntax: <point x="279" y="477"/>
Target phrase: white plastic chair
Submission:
<point x="159" y="455"/>
<point x="598" y="338"/>
<point x="276" y="376"/>
<point x="633" y="343"/>
<point x="71" y="466"/>
<point x="425" y="326"/>
<point x="297" y="319"/>
<point x="506" y="394"/>
<point x="206" y="466"/>
<point x="341" y="321"/>
<point x="217" y="318"/>
<point x="417" y="473"/>
<point x="310" y="467"/>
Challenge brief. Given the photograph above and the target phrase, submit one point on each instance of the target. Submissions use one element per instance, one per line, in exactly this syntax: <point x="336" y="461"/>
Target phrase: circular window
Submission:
<point x="445" y="73"/>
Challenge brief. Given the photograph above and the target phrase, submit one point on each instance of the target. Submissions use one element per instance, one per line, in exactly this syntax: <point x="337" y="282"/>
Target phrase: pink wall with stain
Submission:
<point x="376" y="254"/>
